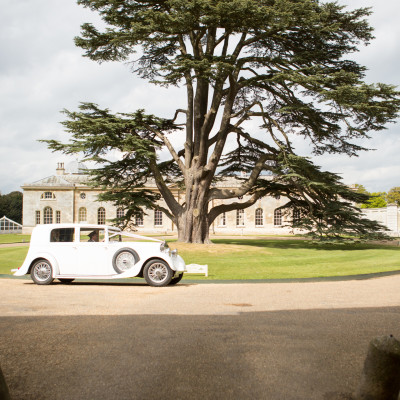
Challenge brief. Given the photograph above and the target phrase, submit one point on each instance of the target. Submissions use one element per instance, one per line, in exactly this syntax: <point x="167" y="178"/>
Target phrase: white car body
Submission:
<point x="75" y="258"/>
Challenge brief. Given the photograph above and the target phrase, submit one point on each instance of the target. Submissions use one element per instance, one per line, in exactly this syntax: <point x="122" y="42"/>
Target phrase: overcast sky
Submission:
<point x="42" y="72"/>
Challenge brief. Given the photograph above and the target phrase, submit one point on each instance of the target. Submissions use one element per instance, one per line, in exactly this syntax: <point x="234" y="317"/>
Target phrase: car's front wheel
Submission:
<point x="157" y="273"/>
<point x="42" y="272"/>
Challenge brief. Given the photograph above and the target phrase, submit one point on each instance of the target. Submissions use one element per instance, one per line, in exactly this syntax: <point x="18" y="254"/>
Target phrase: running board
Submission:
<point x="93" y="276"/>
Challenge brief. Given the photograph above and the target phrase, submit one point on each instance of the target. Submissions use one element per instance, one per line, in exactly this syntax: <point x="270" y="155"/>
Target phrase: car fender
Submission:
<point x="160" y="257"/>
<point x="24" y="269"/>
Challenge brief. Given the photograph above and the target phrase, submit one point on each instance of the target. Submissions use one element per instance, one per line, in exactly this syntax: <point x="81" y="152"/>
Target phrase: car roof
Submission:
<point x="41" y="233"/>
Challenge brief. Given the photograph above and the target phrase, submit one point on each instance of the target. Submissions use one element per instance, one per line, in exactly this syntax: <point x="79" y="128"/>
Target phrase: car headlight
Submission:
<point x="174" y="253"/>
<point x="164" y="248"/>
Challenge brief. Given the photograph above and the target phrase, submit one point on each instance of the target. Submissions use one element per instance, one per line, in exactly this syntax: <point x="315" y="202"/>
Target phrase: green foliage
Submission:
<point x="332" y="212"/>
<point x="393" y="195"/>
<point x="376" y="200"/>
<point x="11" y="206"/>
<point x="360" y="189"/>
<point x="283" y="63"/>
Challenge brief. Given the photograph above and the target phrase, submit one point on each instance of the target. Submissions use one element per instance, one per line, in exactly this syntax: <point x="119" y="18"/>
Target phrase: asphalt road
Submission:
<point x="298" y="353"/>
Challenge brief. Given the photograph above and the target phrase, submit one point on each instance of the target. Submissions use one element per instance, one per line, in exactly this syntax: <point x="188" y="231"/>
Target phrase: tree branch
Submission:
<point x="167" y="213"/>
<point x="217" y="210"/>
<point x="179" y="110"/>
<point x="174" y="206"/>
<point x="245" y="187"/>
<point x="169" y="146"/>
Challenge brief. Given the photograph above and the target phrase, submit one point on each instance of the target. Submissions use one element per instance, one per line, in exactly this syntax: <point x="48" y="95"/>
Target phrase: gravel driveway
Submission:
<point x="21" y="297"/>
<point x="199" y="341"/>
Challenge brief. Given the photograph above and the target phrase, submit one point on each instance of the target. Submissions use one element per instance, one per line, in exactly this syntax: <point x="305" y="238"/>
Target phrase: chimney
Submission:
<point x="60" y="169"/>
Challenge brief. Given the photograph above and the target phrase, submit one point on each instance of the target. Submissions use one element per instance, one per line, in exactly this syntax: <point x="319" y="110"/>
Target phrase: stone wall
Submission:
<point x="388" y="216"/>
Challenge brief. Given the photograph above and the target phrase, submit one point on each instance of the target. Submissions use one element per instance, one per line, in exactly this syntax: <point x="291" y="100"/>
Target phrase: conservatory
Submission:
<point x="7" y="225"/>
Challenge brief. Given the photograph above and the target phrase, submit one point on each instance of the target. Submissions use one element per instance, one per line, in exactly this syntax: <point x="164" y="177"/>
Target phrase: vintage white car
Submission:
<point x="70" y="251"/>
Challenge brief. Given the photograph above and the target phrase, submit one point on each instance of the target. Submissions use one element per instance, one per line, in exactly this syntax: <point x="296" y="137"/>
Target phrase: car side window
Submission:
<point x="62" y="235"/>
<point x="92" y="235"/>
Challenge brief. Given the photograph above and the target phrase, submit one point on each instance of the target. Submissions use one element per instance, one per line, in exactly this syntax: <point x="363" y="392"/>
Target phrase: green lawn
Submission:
<point x="279" y="259"/>
<point x="14" y="238"/>
<point x="267" y="259"/>
<point x="11" y="257"/>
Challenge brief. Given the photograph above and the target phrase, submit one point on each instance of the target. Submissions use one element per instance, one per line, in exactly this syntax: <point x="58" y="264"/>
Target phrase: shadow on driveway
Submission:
<point x="266" y="355"/>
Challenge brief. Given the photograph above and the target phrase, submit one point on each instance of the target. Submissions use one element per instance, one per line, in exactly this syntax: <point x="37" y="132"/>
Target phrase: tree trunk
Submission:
<point x="193" y="226"/>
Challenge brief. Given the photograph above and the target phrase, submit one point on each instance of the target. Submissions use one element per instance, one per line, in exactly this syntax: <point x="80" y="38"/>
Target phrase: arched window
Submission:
<point x="48" y="215"/>
<point x="259" y="217"/>
<point x="101" y="216"/>
<point x="120" y="212"/>
<point x="82" y="217"/>
<point x="278" y="217"/>
<point x="139" y="219"/>
<point x="239" y="217"/>
<point x="157" y="218"/>
<point x="48" y="196"/>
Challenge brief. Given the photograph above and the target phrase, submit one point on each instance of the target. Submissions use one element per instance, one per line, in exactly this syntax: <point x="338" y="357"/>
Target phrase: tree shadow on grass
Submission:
<point x="304" y="244"/>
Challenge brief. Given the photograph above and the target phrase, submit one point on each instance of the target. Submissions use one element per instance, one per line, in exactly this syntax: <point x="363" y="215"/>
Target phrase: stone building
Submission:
<point x="67" y="197"/>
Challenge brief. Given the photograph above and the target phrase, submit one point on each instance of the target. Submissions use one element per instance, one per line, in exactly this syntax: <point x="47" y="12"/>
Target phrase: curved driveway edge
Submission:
<point x="22" y="297"/>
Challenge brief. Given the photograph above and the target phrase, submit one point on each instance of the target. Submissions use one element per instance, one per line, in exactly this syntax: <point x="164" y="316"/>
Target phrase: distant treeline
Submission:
<point x="11" y="206"/>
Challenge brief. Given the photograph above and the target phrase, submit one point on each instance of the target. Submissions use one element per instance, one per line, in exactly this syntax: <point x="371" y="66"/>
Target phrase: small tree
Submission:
<point x="376" y="200"/>
<point x="282" y="63"/>
<point x="360" y="189"/>
<point x="393" y="195"/>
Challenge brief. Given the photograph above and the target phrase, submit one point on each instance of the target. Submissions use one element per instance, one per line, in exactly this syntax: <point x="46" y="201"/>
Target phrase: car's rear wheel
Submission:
<point x="65" y="280"/>
<point x="157" y="273"/>
<point x="124" y="259"/>
<point x="177" y="279"/>
<point x="42" y="272"/>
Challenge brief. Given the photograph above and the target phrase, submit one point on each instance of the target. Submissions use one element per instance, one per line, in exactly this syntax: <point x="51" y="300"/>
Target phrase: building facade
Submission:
<point x="67" y="197"/>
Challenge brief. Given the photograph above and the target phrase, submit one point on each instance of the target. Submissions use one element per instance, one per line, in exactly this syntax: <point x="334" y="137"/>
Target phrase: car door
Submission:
<point x="93" y="252"/>
<point x="62" y="248"/>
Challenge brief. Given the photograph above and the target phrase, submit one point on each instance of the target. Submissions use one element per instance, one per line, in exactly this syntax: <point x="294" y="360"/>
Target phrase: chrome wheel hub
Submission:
<point x="42" y="271"/>
<point x="158" y="272"/>
<point x="125" y="261"/>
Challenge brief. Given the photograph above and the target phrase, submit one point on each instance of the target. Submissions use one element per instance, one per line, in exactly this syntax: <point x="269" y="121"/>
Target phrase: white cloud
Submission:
<point x="42" y="72"/>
